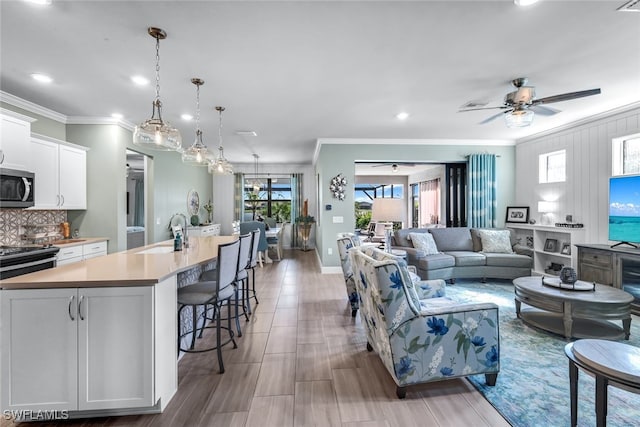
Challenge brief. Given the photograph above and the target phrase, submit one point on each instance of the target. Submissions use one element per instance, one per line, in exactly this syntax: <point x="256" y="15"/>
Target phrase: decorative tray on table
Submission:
<point x="578" y="286"/>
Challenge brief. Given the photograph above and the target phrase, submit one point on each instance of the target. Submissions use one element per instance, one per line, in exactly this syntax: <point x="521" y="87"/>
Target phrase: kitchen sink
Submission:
<point x="157" y="250"/>
<point x="65" y="241"/>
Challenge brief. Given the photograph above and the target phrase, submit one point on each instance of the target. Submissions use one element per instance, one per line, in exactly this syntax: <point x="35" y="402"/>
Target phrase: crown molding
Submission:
<point x="85" y="120"/>
<point x="581" y="122"/>
<point x="15" y="115"/>
<point x="31" y="107"/>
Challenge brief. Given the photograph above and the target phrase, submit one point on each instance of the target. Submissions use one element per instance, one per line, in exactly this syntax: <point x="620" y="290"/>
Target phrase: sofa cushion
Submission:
<point x="496" y="241"/>
<point x="508" y="260"/>
<point x="435" y="262"/>
<point x="467" y="258"/>
<point x="452" y="239"/>
<point x="401" y="237"/>
<point x="477" y="243"/>
<point x="424" y="242"/>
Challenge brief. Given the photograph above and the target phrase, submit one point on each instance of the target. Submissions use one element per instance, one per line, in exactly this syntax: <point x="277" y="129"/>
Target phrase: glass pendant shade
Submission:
<point x="256" y="184"/>
<point x="519" y="118"/>
<point x="197" y="154"/>
<point x="220" y="165"/>
<point x="155" y="133"/>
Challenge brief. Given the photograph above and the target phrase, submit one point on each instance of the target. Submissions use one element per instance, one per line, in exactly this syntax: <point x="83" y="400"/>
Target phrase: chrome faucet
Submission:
<point x="185" y="238"/>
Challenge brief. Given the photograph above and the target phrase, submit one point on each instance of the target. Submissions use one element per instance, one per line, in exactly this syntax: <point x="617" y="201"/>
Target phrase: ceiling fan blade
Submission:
<point x="483" y="108"/>
<point x="566" y="96"/>
<point x="544" y="111"/>
<point x="488" y="119"/>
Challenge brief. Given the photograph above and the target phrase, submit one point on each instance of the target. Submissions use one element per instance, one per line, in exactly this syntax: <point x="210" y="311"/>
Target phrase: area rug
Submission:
<point x="533" y="383"/>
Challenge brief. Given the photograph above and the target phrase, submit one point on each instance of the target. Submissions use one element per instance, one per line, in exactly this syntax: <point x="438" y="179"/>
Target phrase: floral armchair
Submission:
<point x="346" y="242"/>
<point x="419" y="334"/>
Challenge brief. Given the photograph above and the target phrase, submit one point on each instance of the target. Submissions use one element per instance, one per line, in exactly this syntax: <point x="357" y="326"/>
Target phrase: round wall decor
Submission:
<point x="193" y="202"/>
<point x="337" y="186"/>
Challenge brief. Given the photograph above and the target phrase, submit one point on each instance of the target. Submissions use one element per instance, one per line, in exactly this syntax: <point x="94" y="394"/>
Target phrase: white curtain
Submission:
<point x="429" y="212"/>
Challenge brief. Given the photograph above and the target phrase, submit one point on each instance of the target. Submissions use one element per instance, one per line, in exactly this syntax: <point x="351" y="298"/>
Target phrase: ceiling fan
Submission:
<point x="394" y="166"/>
<point x="520" y="105"/>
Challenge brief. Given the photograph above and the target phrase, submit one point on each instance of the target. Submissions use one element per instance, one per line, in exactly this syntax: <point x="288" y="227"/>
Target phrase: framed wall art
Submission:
<point x="517" y="214"/>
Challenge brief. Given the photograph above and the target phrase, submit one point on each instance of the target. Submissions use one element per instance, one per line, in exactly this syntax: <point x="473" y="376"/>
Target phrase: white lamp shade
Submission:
<point x="546" y="207"/>
<point x="388" y="209"/>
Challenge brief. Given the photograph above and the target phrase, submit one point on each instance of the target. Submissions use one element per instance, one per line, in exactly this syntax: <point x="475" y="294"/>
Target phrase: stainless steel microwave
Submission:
<point x="16" y="188"/>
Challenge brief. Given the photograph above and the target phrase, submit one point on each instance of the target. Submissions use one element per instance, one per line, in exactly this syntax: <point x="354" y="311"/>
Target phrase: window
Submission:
<point x="626" y="155"/>
<point x="267" y="197"/>
<point x="552" y="167"/>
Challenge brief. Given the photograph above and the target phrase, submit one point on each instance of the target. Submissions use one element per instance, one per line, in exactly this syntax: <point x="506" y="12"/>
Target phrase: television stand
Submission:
<point x="625" y="243"/>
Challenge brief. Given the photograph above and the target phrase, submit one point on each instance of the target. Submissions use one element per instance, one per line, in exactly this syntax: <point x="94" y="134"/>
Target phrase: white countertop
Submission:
<point x="156" y="262"/>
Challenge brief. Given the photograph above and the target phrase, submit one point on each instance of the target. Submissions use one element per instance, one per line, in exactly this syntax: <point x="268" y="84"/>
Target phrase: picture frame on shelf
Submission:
<point x="566" y="249"/>
<point x="550" y="245"/>
<point x="517" y="214"/>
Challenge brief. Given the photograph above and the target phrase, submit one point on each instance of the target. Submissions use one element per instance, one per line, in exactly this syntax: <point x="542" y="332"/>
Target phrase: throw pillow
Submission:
<point x="424" y="242"/>
<point x="496" y="241"/>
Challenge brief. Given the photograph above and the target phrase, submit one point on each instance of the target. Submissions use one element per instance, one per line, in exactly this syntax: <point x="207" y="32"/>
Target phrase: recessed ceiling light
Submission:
<point x="139" y="80"/>
<point x="117" y="116"/>
<point x="42" y="78"/>
<point x="40" y="2"/>
<point x="524" y="2"/>
<point x="402" y="116"/>
<point x="186" y="117"/>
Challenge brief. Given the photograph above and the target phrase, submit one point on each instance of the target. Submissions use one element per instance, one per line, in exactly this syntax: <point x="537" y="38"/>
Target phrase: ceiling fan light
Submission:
<point x="519" y="118"/>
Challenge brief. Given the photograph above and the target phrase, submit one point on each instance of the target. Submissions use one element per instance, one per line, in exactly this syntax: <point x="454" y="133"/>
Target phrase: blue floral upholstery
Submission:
<point x="344" y="244"/>
<point x="419" y="333"/>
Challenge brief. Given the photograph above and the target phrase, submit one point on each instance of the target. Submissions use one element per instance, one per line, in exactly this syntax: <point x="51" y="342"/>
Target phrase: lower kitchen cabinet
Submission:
<point x="77" y="348"/>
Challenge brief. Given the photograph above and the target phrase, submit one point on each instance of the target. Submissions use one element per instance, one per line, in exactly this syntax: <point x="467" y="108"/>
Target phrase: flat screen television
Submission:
<point x="624" y="209"/>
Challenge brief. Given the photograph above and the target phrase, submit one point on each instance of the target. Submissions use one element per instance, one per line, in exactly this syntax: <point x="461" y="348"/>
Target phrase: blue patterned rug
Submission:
<point x="533" y="383"/>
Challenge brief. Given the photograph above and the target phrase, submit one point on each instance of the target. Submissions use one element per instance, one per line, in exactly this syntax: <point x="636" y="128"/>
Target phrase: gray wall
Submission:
<point x="338" y="156"/>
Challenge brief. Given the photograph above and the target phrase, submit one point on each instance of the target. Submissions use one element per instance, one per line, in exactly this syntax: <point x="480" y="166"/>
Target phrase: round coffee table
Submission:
<point x="577" y="314"/>
<point x="607" y="361"/>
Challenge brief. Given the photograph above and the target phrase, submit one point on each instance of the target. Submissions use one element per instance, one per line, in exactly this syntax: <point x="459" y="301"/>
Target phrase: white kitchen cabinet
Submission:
<point x="61" y="174"/>
<point x="92" y="250"/>
<point x="77" y="349"/>
<point x="39" y="349"/>
<point x="15" y="150"/>
<point x="69" y="254"/>
<point x="204" y="230"/>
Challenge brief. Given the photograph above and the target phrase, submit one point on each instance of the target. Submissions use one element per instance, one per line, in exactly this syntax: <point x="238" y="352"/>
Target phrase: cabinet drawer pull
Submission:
<point x="70" y="302"/>
<point x="80" y="307"/>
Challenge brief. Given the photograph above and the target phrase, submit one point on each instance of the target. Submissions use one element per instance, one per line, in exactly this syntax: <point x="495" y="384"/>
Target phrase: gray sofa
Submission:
<point x="461" y="257"/>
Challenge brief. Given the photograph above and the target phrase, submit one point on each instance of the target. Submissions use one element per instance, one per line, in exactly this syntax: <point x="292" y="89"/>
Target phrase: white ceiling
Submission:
<point x="297" y="71"/>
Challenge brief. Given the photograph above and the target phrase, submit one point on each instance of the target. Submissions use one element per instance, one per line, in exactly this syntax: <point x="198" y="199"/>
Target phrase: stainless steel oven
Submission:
<point x="16" y="188"/>
<point x="18" y="260"/>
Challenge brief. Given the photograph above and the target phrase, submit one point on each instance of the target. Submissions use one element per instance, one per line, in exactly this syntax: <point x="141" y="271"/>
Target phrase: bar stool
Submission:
<point x="212" y="294"/>
<point x="253" y="263"/>
<point x="240" y="282"/>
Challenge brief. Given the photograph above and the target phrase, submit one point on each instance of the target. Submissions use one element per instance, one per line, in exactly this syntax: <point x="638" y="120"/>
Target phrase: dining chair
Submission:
<point x="276" y="242"/>
<point x="253" y="262"/>
<point x="248" y="227"/>
<point x="211" y="295"/>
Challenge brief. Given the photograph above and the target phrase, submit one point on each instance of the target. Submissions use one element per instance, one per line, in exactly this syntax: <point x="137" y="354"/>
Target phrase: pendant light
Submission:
<point x="197" y="154"/>
<point x="256" y="184"/>
<point x="155" y="133"/>
<point x="220" y="165"/>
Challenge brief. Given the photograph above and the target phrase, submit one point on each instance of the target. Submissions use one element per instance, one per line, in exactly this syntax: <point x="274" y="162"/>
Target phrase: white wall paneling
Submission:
<point x="585" y="194"/>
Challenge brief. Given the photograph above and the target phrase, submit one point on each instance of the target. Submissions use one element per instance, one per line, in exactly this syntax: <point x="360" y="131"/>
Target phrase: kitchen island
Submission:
<point x="97" y="337"/>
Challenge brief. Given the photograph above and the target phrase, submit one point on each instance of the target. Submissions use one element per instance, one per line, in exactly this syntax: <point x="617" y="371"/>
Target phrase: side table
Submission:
<point x="399" y="252"/>
<point x="607" y="361"/>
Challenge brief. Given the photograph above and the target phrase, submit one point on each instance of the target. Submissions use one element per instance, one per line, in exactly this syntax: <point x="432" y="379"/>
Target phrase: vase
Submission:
<point x="304" y="229"/>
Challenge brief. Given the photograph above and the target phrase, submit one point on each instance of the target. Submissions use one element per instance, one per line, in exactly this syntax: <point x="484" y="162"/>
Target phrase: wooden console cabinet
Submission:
<point x="618" y="267"/>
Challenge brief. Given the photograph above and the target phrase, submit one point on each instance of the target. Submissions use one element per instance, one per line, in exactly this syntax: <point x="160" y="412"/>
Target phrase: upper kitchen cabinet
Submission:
<point x="15" y="150"/>
<point x="60" y="174"/>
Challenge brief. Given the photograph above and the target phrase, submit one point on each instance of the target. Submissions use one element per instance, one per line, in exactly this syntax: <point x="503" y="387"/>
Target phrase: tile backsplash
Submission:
<point x="12" y="222"/>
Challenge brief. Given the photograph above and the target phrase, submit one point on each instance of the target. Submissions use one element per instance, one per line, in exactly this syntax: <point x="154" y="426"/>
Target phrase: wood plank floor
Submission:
<point x="302" y="361"/>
